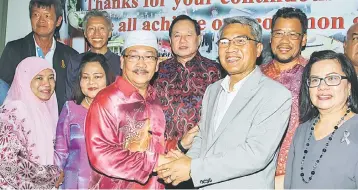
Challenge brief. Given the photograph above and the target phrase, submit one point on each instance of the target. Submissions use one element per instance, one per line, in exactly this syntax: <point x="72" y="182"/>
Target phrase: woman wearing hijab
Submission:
<point x="27" y="128"/>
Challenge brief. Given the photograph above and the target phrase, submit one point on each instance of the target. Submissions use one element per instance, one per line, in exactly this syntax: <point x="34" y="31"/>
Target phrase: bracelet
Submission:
<point x="181" y="148"/>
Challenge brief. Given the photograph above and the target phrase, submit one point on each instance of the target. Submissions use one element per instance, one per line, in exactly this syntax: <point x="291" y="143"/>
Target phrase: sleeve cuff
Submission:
<point x="194" y="171"/>
<point x="151" y="160"/>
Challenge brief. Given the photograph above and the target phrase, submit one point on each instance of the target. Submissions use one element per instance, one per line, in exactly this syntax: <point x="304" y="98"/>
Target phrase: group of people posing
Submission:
<point x="100" y="120"/>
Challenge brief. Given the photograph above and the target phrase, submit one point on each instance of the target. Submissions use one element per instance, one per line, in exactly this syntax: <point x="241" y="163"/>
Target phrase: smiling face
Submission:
<point x="239" y="60"/>
<point x="43" y="21"/>
<point x="97" y="33"/>
<point x="140" y="71"/>
<point x="184" y="40"/>
<point x="329" y="98"/>
<point x="93" y="79"/>
<point x="43" y="84"/>
<point x="285" y="49"/>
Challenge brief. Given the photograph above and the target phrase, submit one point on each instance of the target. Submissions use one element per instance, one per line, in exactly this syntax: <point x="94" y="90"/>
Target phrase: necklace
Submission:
<point x="324" y="150"/>
<point x="87" y="101"/>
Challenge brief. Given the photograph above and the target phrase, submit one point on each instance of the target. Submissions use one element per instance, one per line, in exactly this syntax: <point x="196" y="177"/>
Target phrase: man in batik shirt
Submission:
<point x="125" y="124"/>
<point x="288" y="36"/>
<point x="182" y="79"/>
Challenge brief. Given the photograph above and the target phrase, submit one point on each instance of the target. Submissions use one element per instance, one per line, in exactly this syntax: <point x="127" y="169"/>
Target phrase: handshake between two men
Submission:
<point x="174" y="167"/>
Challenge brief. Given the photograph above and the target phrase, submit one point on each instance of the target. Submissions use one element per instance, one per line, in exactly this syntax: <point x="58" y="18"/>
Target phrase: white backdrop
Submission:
<point x="18" y="20"/>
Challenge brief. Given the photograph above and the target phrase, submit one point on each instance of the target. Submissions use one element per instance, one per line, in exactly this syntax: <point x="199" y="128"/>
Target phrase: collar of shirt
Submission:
<point x="107" y="54"/>
<point x="197" y="58"/>
<point x="226" y="97"/>
<point x="271" y="70"/>
<point x="225" y="84"/>
<point x="40" y="53"/>
<point x="302" y="62"/>
<point x="128" y="89"/>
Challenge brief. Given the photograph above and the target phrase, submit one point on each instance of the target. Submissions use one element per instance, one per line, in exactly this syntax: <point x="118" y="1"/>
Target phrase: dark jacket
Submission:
<point x="17" y="50"/>
<point x="73" y="68"/>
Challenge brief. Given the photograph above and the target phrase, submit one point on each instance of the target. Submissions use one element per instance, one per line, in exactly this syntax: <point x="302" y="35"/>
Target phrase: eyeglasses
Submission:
<point x="291" y="35"/>
<point x="148" y="58"/>
<point x="238" y="41"/>
<point x="331" y="80"/>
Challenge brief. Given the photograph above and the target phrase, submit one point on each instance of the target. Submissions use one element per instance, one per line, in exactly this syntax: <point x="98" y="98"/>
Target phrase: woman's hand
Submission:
<point x="60" y="180"/>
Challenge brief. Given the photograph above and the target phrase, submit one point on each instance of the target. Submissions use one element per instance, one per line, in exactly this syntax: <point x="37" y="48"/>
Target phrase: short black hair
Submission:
<point x="184" y="17"/>
<point x="307" y="110"/>
<point x="78" y="95"/>
<point x="57" y="4"/>
<point x="290" y="12"/>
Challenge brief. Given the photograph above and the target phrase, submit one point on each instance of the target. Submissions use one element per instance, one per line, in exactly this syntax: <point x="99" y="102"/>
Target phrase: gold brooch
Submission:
<point x="63" y="64"/>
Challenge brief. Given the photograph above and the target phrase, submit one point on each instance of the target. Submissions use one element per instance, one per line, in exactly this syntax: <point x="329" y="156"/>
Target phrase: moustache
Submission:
<point x="140" y="70"/>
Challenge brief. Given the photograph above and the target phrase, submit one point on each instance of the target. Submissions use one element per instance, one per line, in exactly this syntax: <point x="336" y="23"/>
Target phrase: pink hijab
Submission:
<point x="40" y="118"/>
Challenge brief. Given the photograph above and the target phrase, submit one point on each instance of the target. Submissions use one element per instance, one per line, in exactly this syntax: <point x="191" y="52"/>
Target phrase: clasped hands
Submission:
<point x="174" y="167"/>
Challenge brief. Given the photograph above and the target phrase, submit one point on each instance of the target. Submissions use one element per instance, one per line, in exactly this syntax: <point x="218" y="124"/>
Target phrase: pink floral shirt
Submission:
<point x="19" y="167"/>
<point x="291" y="79"/>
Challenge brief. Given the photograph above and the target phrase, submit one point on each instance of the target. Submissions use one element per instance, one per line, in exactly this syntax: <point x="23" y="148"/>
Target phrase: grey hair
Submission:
<point x="255" y="27"/>
<point x="97" y="13"/>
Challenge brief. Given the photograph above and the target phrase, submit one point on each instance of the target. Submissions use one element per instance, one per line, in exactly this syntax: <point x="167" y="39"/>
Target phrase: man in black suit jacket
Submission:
<point x="97" y="27"/>
<point x="46" y="16"/>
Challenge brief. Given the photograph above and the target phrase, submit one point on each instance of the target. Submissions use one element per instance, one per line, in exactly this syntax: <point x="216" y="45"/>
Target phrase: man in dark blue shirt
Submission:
<point x="97" y="27"/>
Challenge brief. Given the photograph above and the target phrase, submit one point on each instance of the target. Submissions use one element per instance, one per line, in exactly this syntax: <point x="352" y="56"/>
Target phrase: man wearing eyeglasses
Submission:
<point x="351" y="45"/>
<point x="125" y="123"/>
<point x="288" y="37"/>
<point x="241" y="126"/>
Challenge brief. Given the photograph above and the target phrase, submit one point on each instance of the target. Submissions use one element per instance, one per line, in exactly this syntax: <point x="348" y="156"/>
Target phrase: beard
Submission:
<point x="283" y="60"/>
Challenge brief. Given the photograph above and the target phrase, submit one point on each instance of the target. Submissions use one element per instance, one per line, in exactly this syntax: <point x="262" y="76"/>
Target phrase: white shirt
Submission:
<point x="49" y="56"/>
<point x="226" y="97"/>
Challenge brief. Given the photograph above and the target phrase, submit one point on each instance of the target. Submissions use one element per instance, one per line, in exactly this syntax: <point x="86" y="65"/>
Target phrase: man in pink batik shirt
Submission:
<point x="125" y="124"/>
<point x="288" y="36"/>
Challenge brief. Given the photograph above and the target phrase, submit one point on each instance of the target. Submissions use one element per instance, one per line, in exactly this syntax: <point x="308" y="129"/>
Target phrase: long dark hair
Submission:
<point x="307" y="110"/>
<point x="78" y="95"/>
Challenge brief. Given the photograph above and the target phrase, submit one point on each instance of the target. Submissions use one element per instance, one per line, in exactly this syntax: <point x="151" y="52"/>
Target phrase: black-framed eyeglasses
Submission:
<point x="292" y="35"/>
<point x="147" y="58"/>
<point x="330" y="80"/>
<point x="237" y="41"/>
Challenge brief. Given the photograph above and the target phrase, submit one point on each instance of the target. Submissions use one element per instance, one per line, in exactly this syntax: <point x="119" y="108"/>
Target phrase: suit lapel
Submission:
<point x="244" y="95"/>
<point x="31" y="47"/>
<point x="58" y="60"/>
<point x="212" y="105"/>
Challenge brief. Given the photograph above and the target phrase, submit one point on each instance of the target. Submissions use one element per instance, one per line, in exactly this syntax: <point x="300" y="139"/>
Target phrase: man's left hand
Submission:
<point x="188" y="138"/>
<point x="177" y="171"/>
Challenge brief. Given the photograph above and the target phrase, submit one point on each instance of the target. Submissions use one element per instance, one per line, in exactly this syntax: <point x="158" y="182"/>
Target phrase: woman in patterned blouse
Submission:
<point x="70" y="147"/>
<point x="27" y="128"/>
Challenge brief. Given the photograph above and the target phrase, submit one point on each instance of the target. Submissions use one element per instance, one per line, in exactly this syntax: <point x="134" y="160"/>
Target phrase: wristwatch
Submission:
<point x="181" y="148"/>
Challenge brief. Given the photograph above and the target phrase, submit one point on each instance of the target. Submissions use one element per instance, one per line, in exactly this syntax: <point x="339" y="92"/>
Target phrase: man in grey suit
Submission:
<point x="244" y="118"/>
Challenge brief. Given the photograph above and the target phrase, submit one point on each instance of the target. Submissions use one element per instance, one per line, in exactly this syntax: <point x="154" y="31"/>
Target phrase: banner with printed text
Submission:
<point x="328" y="20"/>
